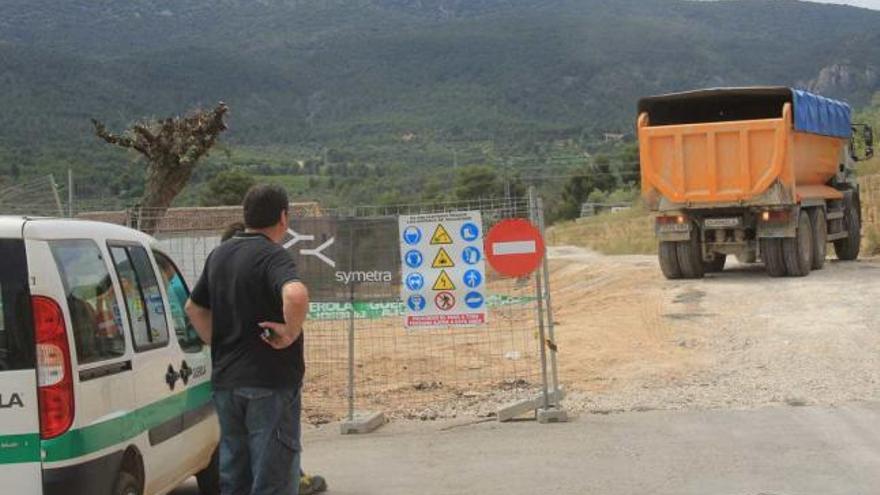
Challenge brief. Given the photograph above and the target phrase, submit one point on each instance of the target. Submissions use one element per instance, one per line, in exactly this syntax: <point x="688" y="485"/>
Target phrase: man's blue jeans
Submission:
<point x="259" y="440"/>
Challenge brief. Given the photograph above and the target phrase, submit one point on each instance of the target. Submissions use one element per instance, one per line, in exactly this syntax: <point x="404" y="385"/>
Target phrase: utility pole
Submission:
<point x="70" y="192"/>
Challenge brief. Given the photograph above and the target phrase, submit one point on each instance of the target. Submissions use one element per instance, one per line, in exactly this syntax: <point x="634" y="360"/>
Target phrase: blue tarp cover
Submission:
<point x="819" y="115"/>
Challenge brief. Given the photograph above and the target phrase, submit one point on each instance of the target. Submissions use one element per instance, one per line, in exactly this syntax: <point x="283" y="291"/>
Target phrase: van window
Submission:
<point x="16" y="325"/>
<point x="91" y="300"/>
<point x="146" y="311"/>
<point x="178" y="293"/>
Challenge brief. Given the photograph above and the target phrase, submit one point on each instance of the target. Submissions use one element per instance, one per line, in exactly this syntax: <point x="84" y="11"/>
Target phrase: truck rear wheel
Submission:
<point x="690" y="256"/>
<point x="847" y="249"/>
<point x="669" y="260"/>
<point x="820" y="237"/>
<point x="716" y="265"/>
<point x="798" y="250"/>
<point x="771" y="253"/>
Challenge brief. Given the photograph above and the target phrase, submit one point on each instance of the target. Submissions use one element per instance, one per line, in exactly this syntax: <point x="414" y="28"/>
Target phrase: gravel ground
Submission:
<point x="737" y="339"/>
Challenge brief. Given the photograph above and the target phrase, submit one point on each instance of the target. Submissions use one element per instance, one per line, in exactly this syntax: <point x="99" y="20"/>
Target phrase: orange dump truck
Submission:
<point x="761" y="173"/>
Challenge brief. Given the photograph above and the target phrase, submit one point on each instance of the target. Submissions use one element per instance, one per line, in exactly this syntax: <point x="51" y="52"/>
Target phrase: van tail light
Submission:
<point x="54" y="374"/>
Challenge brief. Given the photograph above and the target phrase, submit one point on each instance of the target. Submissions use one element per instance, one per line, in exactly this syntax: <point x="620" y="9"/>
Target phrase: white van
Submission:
<point x="104" y="384"/>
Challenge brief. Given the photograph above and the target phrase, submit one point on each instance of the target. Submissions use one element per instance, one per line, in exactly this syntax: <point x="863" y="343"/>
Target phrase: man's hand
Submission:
<point x="280" y="337"/>
<point x="295" y="298"/>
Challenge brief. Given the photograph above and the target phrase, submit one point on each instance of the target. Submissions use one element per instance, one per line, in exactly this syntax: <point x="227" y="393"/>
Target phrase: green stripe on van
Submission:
<point x="15" y="449"/>
<point x="84" y="441"/>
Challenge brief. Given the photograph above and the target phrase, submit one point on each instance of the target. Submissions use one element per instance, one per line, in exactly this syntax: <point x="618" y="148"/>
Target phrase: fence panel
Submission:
<point x="426" y="373"/>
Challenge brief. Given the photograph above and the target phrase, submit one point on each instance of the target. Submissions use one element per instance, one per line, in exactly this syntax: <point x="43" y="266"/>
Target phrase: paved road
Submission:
<point x="778" y="450"/>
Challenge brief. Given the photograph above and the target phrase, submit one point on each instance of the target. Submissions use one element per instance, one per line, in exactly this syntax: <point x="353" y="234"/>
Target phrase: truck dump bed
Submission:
<point x="747" y="146"/>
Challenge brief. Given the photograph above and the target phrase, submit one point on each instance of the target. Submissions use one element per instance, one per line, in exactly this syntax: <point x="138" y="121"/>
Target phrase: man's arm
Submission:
<point x="201" y="319"/>
<point x="295" y="302"/>
<point x="198" y="306"/>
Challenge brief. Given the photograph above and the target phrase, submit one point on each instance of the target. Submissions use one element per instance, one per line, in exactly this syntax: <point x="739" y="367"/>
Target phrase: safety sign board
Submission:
<point x="514" y="247"/>
<point x="444" y="274"/>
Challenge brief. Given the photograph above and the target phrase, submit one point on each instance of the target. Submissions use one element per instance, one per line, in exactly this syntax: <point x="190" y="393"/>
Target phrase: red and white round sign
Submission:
<point x="514" y="247"/>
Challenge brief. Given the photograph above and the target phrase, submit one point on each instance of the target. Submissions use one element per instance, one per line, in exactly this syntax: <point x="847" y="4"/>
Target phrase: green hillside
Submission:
<point x="393" y="86"/>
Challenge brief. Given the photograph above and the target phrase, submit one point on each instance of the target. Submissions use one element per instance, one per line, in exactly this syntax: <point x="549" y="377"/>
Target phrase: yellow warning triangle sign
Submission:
<point x="443" y="282"/>
<point x="442" y="260"/>
<point x="441" y="236"/>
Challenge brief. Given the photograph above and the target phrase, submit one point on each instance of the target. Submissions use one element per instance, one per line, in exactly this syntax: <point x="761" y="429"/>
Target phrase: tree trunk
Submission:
<point x="164" y="182"/>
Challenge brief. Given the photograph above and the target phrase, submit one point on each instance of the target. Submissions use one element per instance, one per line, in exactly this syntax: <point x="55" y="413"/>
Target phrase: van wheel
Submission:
<point x="669" y="260"/>
<point x="690" y="256"/>
<point x="127" y="484"/>
<point x="820" y="237"/>
<point x="771" y="253"/>
<point x="798" y="251"/>
<point x="847" y="249"/>
<point x="716" y="265"/>
<point x="209" y="478"/>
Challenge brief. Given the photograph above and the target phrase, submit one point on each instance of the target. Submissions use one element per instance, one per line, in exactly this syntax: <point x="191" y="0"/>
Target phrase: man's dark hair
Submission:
<point x="263" y="205"/>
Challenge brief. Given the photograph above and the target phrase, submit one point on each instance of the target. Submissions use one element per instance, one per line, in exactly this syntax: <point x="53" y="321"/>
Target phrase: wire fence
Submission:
<point x="360" y="356"/>
<point x="40" y="196"/>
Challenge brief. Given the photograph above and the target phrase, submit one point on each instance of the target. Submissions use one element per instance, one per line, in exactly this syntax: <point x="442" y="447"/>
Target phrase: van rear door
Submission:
<point x="20" y="467"/>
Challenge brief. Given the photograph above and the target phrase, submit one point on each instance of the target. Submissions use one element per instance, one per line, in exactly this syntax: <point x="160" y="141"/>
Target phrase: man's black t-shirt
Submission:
<point x="241" y="285"/>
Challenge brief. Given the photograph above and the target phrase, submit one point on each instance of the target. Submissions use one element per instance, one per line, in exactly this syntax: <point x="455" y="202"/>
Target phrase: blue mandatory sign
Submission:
<point x="414" y="259"/>
<point x="415" y="281"/>
<point x="471" y="255"/>
<point x="473" y="278"/>
<point x="474" y="300"/>
<point x="470" y="232"/>
<point x="412" y="235"/>
<point x="416" y="302"/>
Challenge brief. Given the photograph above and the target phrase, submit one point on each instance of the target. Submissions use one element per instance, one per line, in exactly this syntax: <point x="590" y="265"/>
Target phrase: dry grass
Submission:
<point x="870" y="167"/>
<point x="870" y="189"/>
<point x="872" y="240"/>
<point x="623" y="232"/>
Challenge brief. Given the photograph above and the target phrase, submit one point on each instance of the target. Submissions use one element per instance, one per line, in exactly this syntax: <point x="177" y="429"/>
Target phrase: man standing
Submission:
<point x="250" y="305"/>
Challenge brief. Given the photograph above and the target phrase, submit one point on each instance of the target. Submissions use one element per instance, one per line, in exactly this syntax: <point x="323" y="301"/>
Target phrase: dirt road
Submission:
<point x="631" y="340"/>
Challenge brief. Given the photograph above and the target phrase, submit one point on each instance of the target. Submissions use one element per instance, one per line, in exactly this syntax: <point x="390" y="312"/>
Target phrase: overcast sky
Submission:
<point x="871" y="4"/>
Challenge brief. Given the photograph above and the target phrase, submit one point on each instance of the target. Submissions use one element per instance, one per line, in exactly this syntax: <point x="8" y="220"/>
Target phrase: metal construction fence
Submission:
<point x="360" y="356"/>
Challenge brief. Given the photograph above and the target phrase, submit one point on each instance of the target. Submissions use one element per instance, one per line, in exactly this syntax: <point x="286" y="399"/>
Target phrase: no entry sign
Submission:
<point x="514" y="247"/>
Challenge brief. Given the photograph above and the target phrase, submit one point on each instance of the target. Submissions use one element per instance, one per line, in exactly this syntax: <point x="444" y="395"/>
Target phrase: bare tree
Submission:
<point x="172" y="148"/>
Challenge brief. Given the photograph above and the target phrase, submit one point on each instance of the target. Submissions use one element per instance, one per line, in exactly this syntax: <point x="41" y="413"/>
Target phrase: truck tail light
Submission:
<point x="670" y="219"/>
<point x="775" y="216"/>
<point x="54" y="374"/>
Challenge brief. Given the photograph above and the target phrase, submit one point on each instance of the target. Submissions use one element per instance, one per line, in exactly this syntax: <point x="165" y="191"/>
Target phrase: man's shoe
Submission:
<point x="309" y="485"/>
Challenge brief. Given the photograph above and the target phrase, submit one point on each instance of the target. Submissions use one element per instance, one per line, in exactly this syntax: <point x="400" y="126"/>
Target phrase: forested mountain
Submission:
<point x="365" y="76"/>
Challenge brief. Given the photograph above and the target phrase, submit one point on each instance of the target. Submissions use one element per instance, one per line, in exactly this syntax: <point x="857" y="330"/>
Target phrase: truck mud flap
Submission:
<point x="673" y="232"/>
<point x="778" y="230"/>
